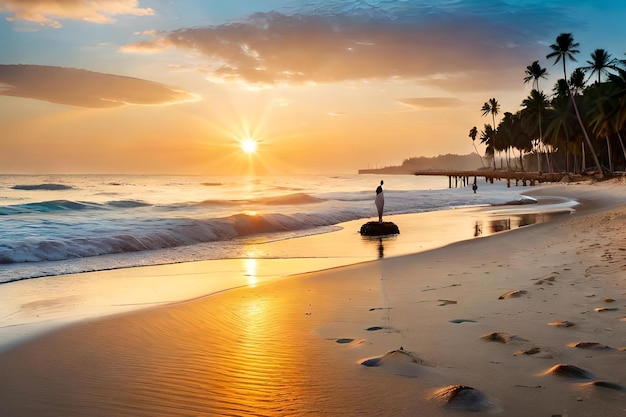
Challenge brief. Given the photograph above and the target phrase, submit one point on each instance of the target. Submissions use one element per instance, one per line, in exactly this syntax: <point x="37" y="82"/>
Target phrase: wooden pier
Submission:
<point x="464" y="178"/>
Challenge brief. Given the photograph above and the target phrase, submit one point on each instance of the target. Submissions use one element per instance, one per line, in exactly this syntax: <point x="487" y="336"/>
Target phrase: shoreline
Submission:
<point x="41" y="305"/>
<point x="296" y="346"/>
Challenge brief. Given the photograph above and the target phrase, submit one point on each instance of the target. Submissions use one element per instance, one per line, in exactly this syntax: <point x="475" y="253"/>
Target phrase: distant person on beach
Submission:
<point x="380" y="201"/>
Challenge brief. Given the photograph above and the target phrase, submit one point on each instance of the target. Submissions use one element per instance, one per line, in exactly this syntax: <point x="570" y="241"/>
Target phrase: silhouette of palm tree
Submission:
<point x="472" y="134"/>
<point x="492" y="107"/>
<point x="600" y="64"/>
<point x="533" y="73"/>
<point x="564" y="49"/>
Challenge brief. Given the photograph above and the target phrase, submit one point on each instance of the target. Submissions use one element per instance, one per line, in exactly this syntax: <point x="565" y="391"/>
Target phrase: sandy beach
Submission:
<point x="531" y="322"/>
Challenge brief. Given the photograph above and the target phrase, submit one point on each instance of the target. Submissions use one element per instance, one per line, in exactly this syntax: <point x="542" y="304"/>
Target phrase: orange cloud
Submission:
<point x="49" y="12"/>
<point x="272" y="48"/>
<point x="142" y="47"/>
<point x="78" y="87"/>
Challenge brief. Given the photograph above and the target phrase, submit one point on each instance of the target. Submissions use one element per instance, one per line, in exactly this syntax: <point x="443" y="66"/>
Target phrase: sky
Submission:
<point x="322" y="87"/>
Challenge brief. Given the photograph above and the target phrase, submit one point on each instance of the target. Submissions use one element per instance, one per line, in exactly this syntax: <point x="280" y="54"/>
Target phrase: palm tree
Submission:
<point x="520" y="136"/>
<point x="593" y="95"/>
<point x="504" y="138"/>
<point x="534" y="72"/>
<point x="487" y="137"/>
<point x="618" y="85"/>
<point x="608" y="109"/>
<point x="577" y="81"/>
<point x="562" y="124"/>
<point x="618" y="81"/>
<point x="472" y="134"/>
<point x="535" y="106"/>
<point x="602" y="110"/>
<point x="510" y="135"/>
<point x="563" y="49"/>
<point x="562" y="121"/>
<point x="492" y="107"/>
<point x="600" y="63"/>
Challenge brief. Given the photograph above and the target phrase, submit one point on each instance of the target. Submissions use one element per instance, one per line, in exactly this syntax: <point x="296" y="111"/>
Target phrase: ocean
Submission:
<point x="60" y="224"/>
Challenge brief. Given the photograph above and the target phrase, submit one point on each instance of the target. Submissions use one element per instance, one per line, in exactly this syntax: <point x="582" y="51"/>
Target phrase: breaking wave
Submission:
<point x="159" y="233"/>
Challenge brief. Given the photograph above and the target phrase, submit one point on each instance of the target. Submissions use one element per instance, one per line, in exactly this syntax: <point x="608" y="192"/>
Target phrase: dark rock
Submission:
<point x="379" y="229"/>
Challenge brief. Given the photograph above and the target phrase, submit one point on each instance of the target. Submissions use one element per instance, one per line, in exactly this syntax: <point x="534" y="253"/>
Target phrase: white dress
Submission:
<point x="380" y="203"/>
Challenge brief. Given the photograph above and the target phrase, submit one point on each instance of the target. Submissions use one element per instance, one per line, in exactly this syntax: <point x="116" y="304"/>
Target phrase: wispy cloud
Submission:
<point x="51" y="12"/>
<point x="425" y="41"/>
<point x="78" y="87"/>
<point x="432" y="102"/>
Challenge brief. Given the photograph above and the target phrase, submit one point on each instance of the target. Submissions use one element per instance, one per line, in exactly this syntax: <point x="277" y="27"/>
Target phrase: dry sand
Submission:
<point x="477" y="326"/>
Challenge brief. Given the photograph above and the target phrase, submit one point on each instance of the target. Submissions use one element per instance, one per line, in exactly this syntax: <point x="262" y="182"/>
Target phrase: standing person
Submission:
<point x="380" y="201"/>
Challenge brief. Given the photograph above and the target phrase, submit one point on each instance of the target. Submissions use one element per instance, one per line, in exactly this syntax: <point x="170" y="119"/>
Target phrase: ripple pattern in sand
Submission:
<point x="232" y="359"/>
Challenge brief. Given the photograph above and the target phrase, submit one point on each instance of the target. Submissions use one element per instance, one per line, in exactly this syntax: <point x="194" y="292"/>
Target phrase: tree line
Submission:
<point x="579" y="127"/>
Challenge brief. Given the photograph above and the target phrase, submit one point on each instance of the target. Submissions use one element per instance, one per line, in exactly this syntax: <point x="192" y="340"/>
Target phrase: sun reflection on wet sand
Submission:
<point x="250" y="266"/>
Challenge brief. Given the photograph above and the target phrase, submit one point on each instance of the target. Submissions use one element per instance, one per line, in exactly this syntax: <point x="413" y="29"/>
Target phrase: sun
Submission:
<point x="248" y="145"/>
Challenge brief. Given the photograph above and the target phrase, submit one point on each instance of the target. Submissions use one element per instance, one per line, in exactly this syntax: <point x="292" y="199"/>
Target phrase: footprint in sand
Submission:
<point x="379" y="308"/>
<point x="576" y="373"/>
<point x="512" y="294"/>
<point x="606" y="384"/>
<point x="561" y="323"/>
<point x="458" y="321"/>
<point x="501" y="337"/>
<point x="397" y="361"/>
<point x="601" y="309"/>
<point x="461" y="397"/>
<point x="374" y="328"/>
<point x="530" y="351"/>
<point x="569" y="371"/>
<point x="548" y="281"/>
<point x="534" y="351"/>
<point x="393" y="355"/>
<point x="590" y="345"/>
<point x="349" y="341"/>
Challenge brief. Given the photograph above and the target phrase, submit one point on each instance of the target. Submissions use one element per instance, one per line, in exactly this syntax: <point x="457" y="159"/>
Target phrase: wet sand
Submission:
<point x="480" y="326"/>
